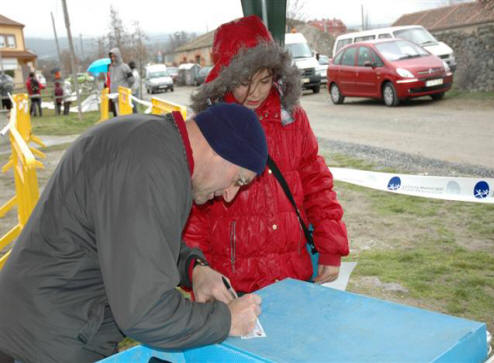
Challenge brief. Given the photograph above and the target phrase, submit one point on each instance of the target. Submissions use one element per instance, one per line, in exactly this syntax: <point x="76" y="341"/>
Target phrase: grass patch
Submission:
<point x="466" y="95"/>
<point x="51" y="124"/>
<point x="457" y="280"/>
<point x="441" y="251"/>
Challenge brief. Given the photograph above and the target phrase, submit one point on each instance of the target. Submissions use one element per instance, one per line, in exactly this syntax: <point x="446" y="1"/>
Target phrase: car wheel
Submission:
<point x="316" y="89"/>
<point x="171" y="89"/>
<point x="389" y="95"/>
<point x="336" y="96"/>
<point x="437" y="96"/>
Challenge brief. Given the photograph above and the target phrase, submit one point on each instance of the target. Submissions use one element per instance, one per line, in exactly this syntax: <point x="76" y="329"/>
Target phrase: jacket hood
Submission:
<point x="240" y="49"/>
<point x="118" y="56"/>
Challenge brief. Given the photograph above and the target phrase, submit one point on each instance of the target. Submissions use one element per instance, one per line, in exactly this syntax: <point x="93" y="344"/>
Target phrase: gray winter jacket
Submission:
<point x="102" y="252"/>
<point x="120" y="73"/>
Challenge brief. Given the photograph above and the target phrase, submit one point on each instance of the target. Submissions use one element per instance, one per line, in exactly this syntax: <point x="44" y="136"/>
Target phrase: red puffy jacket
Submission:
<point x="257" y="239"/>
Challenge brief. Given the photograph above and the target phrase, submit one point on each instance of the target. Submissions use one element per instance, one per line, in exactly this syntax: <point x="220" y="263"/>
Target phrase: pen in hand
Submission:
<point x="229" y="287"/>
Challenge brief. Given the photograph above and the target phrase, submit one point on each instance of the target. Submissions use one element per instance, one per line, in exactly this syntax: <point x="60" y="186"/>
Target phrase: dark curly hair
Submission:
<point x="248" y="61"/>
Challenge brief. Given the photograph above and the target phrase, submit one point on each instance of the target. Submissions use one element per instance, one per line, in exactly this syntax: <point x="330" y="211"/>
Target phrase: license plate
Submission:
<point x="434" y="82"/>
<point x="305" y="80"/>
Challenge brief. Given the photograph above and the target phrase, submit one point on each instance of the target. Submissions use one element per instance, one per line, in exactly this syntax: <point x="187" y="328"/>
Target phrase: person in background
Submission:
<point x="68" y="97"/>
<point x="257" y="239"/>
<point x="120" y="75"/>
<point x="6" y="87"/>
<point x="135" y="85"/>
<point x="58" y="98"/>
<point x="34" y="88"/>
<point x="102" y="254"/>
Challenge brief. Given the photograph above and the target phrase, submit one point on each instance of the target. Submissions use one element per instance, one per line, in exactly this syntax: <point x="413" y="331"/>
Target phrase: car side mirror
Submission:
<point x="369" y="64"/>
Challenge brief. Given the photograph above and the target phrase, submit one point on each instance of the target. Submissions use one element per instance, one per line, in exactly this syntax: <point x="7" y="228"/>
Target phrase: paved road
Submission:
<point x="449" y="130"/>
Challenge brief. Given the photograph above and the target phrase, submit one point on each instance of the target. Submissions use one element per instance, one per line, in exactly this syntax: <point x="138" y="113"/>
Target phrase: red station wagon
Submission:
<point x="391" y="70"/>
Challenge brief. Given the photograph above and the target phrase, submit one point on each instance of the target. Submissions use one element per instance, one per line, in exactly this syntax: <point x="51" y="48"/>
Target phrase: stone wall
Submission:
<point x="474" y="53"/>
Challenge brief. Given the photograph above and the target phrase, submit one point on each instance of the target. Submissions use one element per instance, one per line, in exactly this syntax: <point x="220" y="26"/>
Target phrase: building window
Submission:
<point x="7" y="41"/>
<point x="11" y="41"/>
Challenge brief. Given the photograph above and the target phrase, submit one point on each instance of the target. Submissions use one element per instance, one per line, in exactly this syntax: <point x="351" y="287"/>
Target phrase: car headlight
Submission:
<point x="405" y="73"/>
<point x="446" y="67"/>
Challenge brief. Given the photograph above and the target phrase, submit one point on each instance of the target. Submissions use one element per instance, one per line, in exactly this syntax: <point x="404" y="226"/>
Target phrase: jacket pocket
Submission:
<point x="233" y="242"/>
<point x="95" y="318"/>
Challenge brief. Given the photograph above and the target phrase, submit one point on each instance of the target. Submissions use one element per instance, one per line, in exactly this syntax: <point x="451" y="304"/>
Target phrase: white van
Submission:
<point x="157" y="79"/>
<point x="414" y="33"/>
<point x="303" y="59"/>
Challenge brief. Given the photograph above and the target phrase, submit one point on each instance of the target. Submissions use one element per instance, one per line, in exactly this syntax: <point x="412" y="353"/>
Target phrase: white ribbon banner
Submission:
<point x="479" y="190"/>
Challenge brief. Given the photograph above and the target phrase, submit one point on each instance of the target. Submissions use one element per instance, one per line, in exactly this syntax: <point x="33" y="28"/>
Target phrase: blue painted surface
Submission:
<point x="307" y="322"/>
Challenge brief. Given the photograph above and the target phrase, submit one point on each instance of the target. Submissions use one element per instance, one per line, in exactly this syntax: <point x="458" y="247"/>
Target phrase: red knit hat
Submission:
<point x="245" y="32"/>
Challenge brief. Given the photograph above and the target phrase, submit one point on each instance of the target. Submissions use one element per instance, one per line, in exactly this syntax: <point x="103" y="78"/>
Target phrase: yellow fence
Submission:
<point x="24" y="165"/>
<point x="158" y="106"/>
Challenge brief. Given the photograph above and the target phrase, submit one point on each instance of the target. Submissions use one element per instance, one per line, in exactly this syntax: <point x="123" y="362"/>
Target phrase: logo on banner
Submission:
<point x="481" y="190"/>
<point x="394" y="183"/>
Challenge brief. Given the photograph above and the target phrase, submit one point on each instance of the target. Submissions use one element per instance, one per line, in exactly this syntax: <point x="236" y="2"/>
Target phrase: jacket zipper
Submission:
<point x="232" y="244"/>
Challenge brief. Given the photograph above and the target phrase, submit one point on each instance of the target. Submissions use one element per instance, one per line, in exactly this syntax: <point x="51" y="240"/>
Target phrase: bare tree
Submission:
<point x="138" y="49"/>
<point x="295" y="14"/>
<point x="179" y="38"/>
<point x="118" y="36"/>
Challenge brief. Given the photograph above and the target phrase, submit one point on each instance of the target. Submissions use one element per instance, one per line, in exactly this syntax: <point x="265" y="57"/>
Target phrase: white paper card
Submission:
<point x="341" y="282"/>
<point x="257" y="332"/>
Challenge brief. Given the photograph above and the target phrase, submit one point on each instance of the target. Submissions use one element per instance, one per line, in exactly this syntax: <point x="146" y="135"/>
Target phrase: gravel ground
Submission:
<point x="413" y="164"/>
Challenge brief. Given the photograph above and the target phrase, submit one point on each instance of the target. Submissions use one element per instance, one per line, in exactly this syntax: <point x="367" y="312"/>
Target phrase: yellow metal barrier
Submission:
<point x="24" y="165"/>
<point x="160" y="107"/>
<point x="124" y="101"/>
<point x="104" y="104"/>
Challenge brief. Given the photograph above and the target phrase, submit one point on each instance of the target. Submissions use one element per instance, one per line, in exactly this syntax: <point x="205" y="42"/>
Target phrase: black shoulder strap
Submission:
<point x="277" y="173"/>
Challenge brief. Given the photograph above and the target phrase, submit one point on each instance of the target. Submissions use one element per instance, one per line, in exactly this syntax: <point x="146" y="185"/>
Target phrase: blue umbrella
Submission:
<point x="99" y="65"/>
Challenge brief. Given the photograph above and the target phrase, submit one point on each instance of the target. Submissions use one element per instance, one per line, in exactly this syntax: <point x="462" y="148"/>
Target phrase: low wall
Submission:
<point x="474" y="52"/>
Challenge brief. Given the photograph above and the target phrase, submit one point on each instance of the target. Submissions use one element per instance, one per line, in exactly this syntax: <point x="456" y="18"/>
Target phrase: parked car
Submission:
<point x="323" y="67"/>
<point x="302" y="58"/>
<point x="413" y="33"/>
<point x="391" y="70"/>
<point x="157" y="79"/>
<point x="202" y="75"/>
<point x="173" y="72"/>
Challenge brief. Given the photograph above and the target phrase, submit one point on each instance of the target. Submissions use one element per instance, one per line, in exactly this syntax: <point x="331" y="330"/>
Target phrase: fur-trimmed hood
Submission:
<point x="240" y="49"/>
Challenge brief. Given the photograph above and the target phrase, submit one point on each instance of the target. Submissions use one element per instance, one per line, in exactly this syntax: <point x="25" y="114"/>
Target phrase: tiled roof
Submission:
<point x="23" y="54"/>
<point x="6" y="21"/>
<point x="202" y="41"/>
<point x="451" y="16"/>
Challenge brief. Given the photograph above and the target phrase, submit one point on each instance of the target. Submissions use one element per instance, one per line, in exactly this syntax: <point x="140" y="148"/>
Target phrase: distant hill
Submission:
<point x="46" y="48"/>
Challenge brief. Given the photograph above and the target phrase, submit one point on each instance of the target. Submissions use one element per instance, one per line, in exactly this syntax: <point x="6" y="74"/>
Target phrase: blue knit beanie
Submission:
<point x="234" y="133"/>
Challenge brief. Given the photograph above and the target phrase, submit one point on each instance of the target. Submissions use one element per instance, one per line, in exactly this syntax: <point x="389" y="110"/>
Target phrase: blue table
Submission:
<point x="307" y="322"/>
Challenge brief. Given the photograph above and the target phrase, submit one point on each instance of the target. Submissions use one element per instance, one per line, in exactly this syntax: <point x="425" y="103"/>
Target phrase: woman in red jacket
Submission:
<point x="257" y="239"/>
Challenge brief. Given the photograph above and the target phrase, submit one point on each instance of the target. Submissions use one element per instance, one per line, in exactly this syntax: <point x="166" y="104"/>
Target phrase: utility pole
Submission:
<point x="362" y="15"/>
<point x="56" y="38"/>
<point x="72" y="58"/>
<point x="82" y="47"/>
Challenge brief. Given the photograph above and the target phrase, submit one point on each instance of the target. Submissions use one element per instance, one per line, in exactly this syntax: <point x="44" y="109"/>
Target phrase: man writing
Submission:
<point x="102" y="253"/>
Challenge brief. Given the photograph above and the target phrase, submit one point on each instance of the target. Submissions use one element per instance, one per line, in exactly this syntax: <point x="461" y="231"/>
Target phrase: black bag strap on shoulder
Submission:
<point x="277" y="173"/>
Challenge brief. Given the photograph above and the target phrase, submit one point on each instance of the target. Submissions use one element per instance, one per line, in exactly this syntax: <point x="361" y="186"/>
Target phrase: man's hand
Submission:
<point x="207" y="285"/>
<point x="326" y="273"/>
<point x="245" y="311"/>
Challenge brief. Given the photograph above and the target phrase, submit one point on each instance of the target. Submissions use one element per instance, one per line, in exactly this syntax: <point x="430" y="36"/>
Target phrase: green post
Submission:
<point x="272" y="13"/>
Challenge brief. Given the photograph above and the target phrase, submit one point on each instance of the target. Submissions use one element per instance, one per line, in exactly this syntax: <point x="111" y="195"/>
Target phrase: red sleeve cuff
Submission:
<point x="329" y="260"/>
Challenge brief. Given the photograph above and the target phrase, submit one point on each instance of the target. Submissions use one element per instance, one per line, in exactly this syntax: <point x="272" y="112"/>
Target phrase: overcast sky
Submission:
<point x="91" y="17"/>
